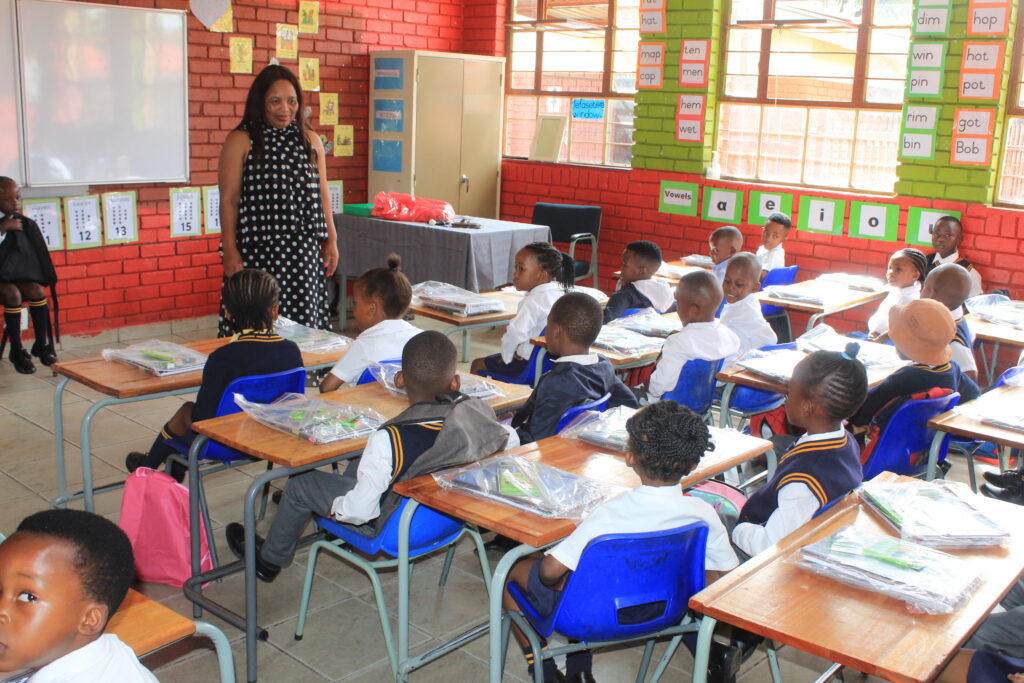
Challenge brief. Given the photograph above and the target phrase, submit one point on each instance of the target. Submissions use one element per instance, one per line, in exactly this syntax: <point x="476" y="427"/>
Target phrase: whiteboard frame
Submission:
<point x="19" y="96"/>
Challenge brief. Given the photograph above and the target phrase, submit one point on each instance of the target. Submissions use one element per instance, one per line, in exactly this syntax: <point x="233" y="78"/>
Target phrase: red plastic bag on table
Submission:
<point x="405" y="207"/>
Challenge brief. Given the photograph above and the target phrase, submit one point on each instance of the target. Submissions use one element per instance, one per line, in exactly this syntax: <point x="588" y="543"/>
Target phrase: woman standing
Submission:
<point x="274" y="203"/>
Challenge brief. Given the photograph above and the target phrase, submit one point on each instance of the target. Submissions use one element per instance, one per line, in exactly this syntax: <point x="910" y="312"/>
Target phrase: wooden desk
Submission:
<point x="620" y="361"/>
<point x="732" y="448"/>
<point x="997" y="335"/>
<point x="123" y="383"/>
<point x="465" y="323"/>
<point x="869" y="632"/>
<point x="836" y="298"/>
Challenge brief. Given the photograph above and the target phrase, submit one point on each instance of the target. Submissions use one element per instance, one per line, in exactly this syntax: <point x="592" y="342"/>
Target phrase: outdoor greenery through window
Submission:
<point x="813" y="90"/>
<point x="1011" y="182"/>
<point x="575" y="58"/>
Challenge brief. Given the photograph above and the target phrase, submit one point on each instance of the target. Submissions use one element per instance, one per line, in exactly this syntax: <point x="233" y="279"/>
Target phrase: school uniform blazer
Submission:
<point x="934" y="261"/>
<point x="640" y="294"/>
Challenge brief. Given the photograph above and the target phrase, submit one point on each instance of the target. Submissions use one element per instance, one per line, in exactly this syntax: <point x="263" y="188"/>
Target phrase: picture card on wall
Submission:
<point x="764" y="204"/>
<point x="678" y="198"/>
<point x="309" y="16"/>
<point x="120" y="222"/>
<point x="723" y="206"/>
<point x="309" y="73"/>
<point x="336" y="190"/>
<point x="872" y="221"/>
<point x="186" y="212"/>
<point x="82" y="220"/>
<point x="387" y="156"/>
<point x="344" y="141"/>
<point x="971" y="151"/>
<point x="211" y="209"/>
<point x="649" y="77"/>
<point x="927" y="55"/>
<point x="821" y="214"/>
<point x="690" y="130"/>
<point x="924" y="83"/>
<point x="650" y="54"/>
<point x="47" y="215"/>
<point x="988" y="19"/>
<point x="921" y="220"/>
<point x="328" y="109"/>
<point x="931" y="21"/>
<point x="652" y="21"/>
<point x="917" y="145"/>
<point x="287" y="41"/>
<point x="693" y="74"/>
<point x="240" y="51"/>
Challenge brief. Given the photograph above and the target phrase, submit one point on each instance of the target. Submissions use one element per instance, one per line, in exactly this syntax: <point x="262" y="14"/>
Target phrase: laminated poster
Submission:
<point x="186" y="212"/>
<point x="328" y="109"/>
<point x="387" y="156"/>
<point x="47" y="215"/>
<point x="388" y="73"/>
<point x="119" y="218"/>
<point x="309" y="16"/>
<point x="240" y="49"/>
<point x="211" y="209"/>
<point x="287" y="41"/>
<point x="388" y="116"/>
<point x="309" y="73"/>
<point x="336" y="190"/>
<point x="344" y="141"/>
<point x="225" y="24"/>
<point x="83" y="222"/>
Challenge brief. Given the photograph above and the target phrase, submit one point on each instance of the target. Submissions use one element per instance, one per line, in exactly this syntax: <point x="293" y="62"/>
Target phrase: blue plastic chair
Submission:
<point x="368" y="377"/>
<point x="906" y="436"/>
<point x="970" y="447"/>
<point x="630" y="311"/>
<point x="568" y="416"/>
<point x="695" y="387"/>
<point x="429" y="530"/>
<point x="745" y="402"/>
<point x="662" y="569"/>
<point x="777" y="316"/>
<point x="529" y="375"/>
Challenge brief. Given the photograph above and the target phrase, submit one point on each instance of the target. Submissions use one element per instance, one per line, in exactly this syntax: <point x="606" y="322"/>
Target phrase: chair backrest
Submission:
<point x="620" y="572"/>
<point x="598" y="404"/>
<point x="1010" y="373"/>
<point x="429" y="530"/>
<point x="903" y="444"/>
<point x="368" y="377"/>
<point x="695" y="387"/>
<point x="778" y="276"/>
<point x="630" y="311"/>
<point x="566" y="220"/>
<point x="527" y="376"/>
<point x="256" y="388"/>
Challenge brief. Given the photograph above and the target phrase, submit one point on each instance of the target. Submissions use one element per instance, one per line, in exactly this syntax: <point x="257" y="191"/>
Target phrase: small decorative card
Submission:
<point x="186" y="212"/>
<point x="85" y="229"/>
<point x="47" y="215"/>
<point x="119" y="217"/>
<point x="211" y="209"/>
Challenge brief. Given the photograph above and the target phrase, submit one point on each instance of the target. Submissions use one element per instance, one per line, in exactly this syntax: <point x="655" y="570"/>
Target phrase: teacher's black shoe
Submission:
<point x="45" y="353"/>
<point x="235" y="534"/>
<point x="22" y="361"/>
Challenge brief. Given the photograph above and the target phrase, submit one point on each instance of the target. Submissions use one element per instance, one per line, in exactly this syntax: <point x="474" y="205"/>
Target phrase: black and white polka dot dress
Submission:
<point x="281" y="225"/>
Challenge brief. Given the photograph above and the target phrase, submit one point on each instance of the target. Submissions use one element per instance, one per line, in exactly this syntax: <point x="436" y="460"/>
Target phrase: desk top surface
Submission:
<point x="877" y="635"/>
<point x="835" y="297"/>
<point x="511" y="302"/>
<point x="988" y="331"/>
<point x="955" y="422"/>
<point x="579" y="457"/>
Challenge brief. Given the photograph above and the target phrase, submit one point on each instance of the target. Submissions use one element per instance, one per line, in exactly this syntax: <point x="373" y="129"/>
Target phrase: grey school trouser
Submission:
<point x="1003" y="632"/>
<point x="307" y="494"/>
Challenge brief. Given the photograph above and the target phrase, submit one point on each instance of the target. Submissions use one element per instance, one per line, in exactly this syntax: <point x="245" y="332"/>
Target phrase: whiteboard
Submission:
<point x="10" y="141"/>
<point x="104" y="93"/>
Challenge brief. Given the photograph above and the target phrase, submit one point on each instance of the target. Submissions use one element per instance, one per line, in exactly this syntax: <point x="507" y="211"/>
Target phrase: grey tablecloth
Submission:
<point x="475" y="259"/>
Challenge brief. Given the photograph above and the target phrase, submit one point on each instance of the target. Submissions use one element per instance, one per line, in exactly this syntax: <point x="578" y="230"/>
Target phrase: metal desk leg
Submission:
<point x="497" y="655"/>
<point x="194" y="526"/>
<point x="251" y="627"/>
<point x="814" y="320"/>
<point x="700" y="657"/>
<point x="58" y="431"/>
<point x="87" y="489"/>
<point x="994" y="363"/>
<point x="724" y="418"/>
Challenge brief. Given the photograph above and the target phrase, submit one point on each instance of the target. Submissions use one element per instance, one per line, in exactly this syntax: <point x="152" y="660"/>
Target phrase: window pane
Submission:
<point x="746" y="10"/>
<point x="586" y="144"/>
<point x="624" y="61"/>
<point x="573" y="61"/>
<point x="782" y="143"/>
<point x="812" y="64"/>
<point x="740" y="126"/>
<point x="524" y="10"/>
<point x="590" y="11"/>
<point x="620" y="132"/>
<point x="520" y="123"/>
<point x="829" y="152"/>
<point x="523" y="60"/>
<point x="848" y="11"/>
<point x="627" y="14"/>
<point x="874" y="155"/>
<point x="1011" y="185"/>
<point x="892" y="13"/>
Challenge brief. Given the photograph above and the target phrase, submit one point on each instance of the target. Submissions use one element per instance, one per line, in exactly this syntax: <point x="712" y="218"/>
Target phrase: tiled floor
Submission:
<point x="342" y="639"/>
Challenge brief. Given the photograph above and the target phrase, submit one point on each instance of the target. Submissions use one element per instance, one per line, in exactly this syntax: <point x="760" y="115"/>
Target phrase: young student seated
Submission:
<point x="637" y="289"/>
<point x="980" y="666"/>
<point x="723" y="243"/>
<point x="947" y="234"/>
<point x="742" y="312"/>
<point x="770" y="254"/>
<point x="666" y="441"/>
<point x="950" y="285"/>
<point x="441" y="428"/>
<point x="577" y="375"/>
<point x="921" y="331"/>
<point x="23" y="251"/>
<point x="251" y="299"/>
<point x="545" y="274"/>
<point x="63" y="574"/>
<point x="704" y="337"/>
<point x="820" y="466"/>
<point x="380" y="299"/>
<point x="904" y="275"/>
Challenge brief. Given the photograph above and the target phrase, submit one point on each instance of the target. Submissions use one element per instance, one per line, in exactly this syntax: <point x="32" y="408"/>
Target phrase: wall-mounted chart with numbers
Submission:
<point x="336" y="190"/>
<point x="120" y="223"/>
<point x="186" y="212"/>
<point x="47" y="215"/>
<point x="211" y="208"/>
<point x="82" y="220"/>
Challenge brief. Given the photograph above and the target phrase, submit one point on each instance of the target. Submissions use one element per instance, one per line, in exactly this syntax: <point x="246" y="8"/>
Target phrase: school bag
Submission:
<point x="727" y="500"/>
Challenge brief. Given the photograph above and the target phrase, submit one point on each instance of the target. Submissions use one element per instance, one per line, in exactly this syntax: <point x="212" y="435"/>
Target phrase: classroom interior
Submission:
<point x="817" y="128"/>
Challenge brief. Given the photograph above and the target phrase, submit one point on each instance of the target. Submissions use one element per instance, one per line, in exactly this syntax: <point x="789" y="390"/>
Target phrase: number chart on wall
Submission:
<point x="119" y="217"/>
<point x="47" y="215"/>
<point x="211" y="209"/>
<point x="186" y="212"/>
<point x="82" y="217"/>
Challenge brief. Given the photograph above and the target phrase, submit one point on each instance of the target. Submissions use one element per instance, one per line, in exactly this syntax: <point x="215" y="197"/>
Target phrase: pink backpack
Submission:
<point x="154" y="515"/>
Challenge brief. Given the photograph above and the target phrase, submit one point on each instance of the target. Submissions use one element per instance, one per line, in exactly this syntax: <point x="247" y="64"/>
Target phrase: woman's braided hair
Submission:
<point x="248" y="296"/>
<point x="668" y="440"/>
<point x="838" y="380"/>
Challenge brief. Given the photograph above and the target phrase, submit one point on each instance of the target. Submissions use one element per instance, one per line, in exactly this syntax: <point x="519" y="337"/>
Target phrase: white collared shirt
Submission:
<point x="718" y="270"/>
<point x="770" y="259"/>
<point x="531" y="318"/>
<point x="383" y="341"/>
<point x="745" y="319"/>
<point x="976" y="289"/>
<point x="878" y="323"/>
<point x="657" y="292"/>
<point x="580" y="359"/>
<point x="706" y="341"/>
<point x="104" y="660"/>
<point x="962" y="356"/>
<point x="797" y="505"/>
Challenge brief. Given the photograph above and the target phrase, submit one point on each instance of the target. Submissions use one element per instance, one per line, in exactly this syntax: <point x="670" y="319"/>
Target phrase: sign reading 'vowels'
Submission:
<point x="678" y="198"/>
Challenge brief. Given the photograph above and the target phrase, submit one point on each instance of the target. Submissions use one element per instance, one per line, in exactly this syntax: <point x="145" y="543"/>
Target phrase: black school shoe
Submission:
<point x="1013" y="494"/>
<point x="45" y="353"/>
<point x="22" y="361"/>
<point x="1004" y="480"/>
<point x="235" y="534"/>
<point x="581" y="677"/>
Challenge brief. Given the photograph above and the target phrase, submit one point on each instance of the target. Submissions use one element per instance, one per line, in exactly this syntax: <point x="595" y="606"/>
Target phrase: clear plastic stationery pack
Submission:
<point x="863" y="283"/>
<point x="998" y="309"/>
<point x="776" y="364"/>
<point x="938" y="514"/>
<point x="158" y="357"/>
<point x="315" y="420"/>
<point x="699" y="260"/>
<point x="470" y="385"/>
<point x="627" y="342"/>
<point x="310" y="339"/>
<point x="649" y="323"/>
<point x="597" y="294"/>
<point x="791" y="293"/>
<point x="607" y="429"/>
<point x="528" y="485"/>
<point x="870" y="354"/>
<point x="455" y="300"/>
<point x="927" y="580"/>
<point x="995" y="410"/>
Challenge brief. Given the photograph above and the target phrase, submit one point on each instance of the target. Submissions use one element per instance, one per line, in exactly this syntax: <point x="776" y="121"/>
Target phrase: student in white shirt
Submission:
<point x="63" y="573"/>
<point x="947" y="234"/>
<point x="906" y="271"/>
<point x="742" y="312"/>
<point x="950" y="285"/>
<point x="637" y="286"/>
<point x="544" y="273"/>
<point x="381" y="297"/>
<point x="722" y="244"/>
<point x="666" y="442"/>
<point x="770" y="254"/>
<point x="698" y="296"/>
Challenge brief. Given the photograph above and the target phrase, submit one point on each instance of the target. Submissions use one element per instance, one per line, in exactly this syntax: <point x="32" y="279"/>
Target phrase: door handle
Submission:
<point x="465" y="181"/>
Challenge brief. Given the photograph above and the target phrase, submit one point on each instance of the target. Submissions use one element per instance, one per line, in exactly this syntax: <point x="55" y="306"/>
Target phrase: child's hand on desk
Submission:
<point x="10" y="224"/>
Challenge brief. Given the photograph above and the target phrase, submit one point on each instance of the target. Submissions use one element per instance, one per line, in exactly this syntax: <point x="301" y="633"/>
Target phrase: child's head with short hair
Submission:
<point x="666" y="441"/>
<point x="63" y="574"/>
<point x="539" y="263"/>
<point x="947" y="233"/>
<point x="776" y="230"/>
<point x="698" y="296"/>
<point x="906" y="267"/>
<point x="251" y="298"/>
<point x="573" y="324"/>
<point x="381" y="294"/>
<point x="10" y="196"/>
<point x="826" y="388"/>
<point x="640" y="260"/>
<point x="724" y="242"/>
<point x="742" y="277"/>
<point x="429" y="367"/>
<point x="949" y="284"/>
<point x="922" y="330"/>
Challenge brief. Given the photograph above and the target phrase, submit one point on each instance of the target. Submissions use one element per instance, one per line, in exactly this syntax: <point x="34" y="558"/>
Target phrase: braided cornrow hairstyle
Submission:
<point x="838" y="380"/>
<point x="916" y="257"/>
<point x="558" y="265"/>
<point x="248" y="296"/>
<point x="668" y="440"/>
<point x="388" y="284"/>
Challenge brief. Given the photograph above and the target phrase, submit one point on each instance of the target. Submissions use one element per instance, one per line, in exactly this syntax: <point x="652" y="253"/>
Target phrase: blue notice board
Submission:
<point x="388" y="73"/>
<point x="387" y="156"/>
